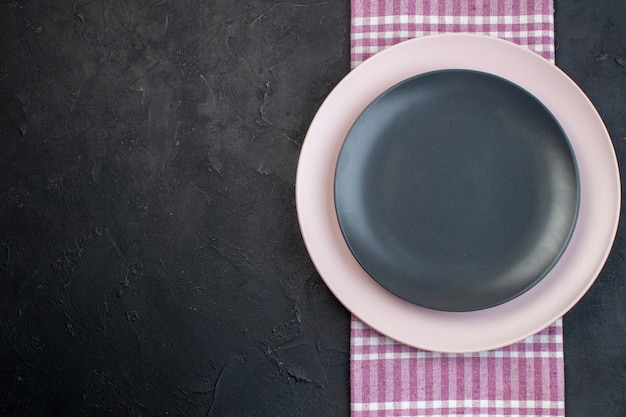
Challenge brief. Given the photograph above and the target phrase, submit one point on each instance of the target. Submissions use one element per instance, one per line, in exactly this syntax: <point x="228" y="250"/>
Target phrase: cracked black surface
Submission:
<point x="150" y="257"/>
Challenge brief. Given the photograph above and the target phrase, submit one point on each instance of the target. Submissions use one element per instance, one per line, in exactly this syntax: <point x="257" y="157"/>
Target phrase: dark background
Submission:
<point x="150" y="257"/>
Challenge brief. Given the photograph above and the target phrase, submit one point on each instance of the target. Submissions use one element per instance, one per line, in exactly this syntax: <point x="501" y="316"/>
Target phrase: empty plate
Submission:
<point x="487" y="328"/>
<point x="456" y="190"/>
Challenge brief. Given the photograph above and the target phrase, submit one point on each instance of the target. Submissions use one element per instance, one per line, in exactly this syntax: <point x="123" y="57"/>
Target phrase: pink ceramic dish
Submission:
<point x="484" y="329"/>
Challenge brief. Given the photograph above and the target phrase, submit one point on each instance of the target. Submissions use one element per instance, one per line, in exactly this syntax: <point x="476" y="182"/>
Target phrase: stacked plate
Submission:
<point x="458" y="192"/>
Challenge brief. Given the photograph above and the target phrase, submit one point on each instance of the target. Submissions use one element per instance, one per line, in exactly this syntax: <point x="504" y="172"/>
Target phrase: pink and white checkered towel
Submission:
<point x="391" y="379"/>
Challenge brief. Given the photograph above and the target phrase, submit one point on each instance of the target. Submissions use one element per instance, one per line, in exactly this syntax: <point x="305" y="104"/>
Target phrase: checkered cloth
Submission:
<point x="391" y="379"/>
<point x="377" y="24"/>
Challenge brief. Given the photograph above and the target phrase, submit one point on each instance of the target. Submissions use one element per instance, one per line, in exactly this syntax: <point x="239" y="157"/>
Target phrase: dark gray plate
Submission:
<point x="456" y="190"/>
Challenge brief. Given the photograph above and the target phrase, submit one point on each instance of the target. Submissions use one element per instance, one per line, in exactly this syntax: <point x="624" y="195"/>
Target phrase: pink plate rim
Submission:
<point x="494" y="327"/>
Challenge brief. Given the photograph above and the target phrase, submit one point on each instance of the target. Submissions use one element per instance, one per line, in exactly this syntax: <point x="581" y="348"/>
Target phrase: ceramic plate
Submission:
<point x="456" y="190"/>
<point x="488" y="328"/>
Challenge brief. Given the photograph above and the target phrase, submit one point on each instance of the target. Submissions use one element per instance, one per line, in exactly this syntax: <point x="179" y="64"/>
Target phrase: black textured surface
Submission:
<point x="444" y="191"/>
<point x="591" y="48"/>
<point x="150" y="257"/>
<point x="150" y="261"/>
